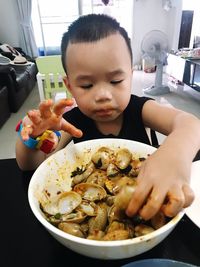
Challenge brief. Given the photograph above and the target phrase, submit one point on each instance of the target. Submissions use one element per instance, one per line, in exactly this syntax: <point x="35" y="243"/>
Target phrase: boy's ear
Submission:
<point x="66" y="82"/>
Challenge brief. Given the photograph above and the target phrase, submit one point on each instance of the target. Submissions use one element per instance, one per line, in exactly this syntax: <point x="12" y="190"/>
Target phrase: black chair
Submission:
<point x="19" y="80"/>
<point x="4" y="106"/>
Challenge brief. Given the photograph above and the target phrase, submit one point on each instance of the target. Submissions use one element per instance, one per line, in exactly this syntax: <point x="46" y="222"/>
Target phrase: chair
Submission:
<point x="50" y="78"/>
<point x="4" y="106"/>
<point x="19" y="80"/>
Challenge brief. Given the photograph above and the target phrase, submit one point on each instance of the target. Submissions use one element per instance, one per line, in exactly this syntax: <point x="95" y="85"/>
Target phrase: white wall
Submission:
<point x="149" y="15"/>
<point x="9" y="26"/>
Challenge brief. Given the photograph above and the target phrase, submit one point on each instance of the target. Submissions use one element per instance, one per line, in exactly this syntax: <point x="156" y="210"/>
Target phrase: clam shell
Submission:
<point x="64" y="204"/>
<point x="123" y="158"/>
<point x="91" y="192"/>
<point x="68" y="202"/>
<point x="102" y="157"/>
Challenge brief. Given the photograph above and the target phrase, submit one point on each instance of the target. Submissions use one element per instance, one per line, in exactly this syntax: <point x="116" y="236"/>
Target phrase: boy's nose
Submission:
<point x="103" y="94"/>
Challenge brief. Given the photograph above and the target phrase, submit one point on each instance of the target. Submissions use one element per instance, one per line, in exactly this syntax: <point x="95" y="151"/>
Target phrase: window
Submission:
<point x="52" y="18"/>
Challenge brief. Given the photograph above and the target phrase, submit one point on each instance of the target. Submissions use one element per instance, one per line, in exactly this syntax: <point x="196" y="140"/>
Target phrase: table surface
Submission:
<point x="194" y="60"/>
<point x="25" y="242"/>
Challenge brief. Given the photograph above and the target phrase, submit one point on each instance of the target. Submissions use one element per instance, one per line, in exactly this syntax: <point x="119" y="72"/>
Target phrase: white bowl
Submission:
<point x="60" y="166"/>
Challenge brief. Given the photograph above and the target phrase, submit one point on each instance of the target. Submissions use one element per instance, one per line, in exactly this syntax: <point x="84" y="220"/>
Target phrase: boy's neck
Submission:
<point x="113" y="127"/>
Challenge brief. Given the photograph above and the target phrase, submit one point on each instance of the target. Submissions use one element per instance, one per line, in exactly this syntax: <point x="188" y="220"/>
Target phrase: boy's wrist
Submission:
<point x="43" y="142"/>
<point x="46" y="142"/>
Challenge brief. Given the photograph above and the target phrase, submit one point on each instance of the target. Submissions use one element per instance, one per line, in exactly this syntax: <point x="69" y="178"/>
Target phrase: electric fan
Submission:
<point x="155" y="47"/>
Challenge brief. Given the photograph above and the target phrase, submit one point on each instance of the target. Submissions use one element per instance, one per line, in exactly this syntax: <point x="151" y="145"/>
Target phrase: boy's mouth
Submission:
<point x="104" y="112"/>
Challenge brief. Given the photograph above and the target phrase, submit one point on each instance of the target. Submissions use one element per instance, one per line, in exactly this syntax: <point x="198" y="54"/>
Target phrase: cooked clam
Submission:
<point x="112" y="170"/>
<point x="124" y="181"/>
<point x="76" y="216"/>
<point x="91" y="192"/>
<point x="116" y="235"/>
<point x="142" y="229"/>
<point x="158" y="220"/>
<point x="68" y="202"/>
<point x="81" y="174"/>
<point x="111" y="186"/>
<point x="98" y="223"/>
<point x="115" y="225"/>
<point x="110" y="200"/>
<point x="64" y="204"/>
<point x="123" y="158"/>
<point x="123" y="198"/>
<point x="135" y="167"/>
<point x="102" y="157"/>
<point x="115" y="214"/>
<point x="71" y="228"/>
<point x="97" y="177"/>
<point x="88" y="207"/>
<point x="96" y="235"/>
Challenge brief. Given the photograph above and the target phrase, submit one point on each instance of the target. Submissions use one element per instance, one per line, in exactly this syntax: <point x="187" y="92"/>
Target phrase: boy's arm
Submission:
<point x="164" y="180"/>
<point x="30" y="159"/>
<point x="183" y="128"/>
<point x="35" y="124"/>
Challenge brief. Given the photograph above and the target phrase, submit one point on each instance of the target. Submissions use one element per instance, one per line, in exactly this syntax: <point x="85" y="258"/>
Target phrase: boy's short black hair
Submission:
<point x="91" y="28"/>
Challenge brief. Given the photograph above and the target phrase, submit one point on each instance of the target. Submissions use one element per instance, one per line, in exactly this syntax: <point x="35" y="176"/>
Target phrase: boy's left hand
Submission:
<point x="163" y="183"/>
<point x="48" y="117"/>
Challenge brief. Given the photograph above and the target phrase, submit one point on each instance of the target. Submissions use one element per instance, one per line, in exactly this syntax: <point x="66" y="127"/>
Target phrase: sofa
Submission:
<point x="4" y="105"/>
<point x="19" y="81"/>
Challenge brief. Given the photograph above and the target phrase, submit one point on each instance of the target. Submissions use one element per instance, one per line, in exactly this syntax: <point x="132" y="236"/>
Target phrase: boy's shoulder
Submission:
<point x="138" y="100"/>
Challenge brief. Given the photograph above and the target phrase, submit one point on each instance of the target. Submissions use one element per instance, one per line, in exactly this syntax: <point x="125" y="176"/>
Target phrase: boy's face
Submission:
<point x="99" y="77"/>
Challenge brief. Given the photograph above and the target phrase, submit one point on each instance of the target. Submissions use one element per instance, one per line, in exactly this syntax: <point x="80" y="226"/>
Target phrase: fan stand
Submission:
<point x="158" y="88"/>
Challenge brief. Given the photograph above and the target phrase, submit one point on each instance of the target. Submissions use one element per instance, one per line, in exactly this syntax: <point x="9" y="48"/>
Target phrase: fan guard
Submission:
<point x="155" y="46"/>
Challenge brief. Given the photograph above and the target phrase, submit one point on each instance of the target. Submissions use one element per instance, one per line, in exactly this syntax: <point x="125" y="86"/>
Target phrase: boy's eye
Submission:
<point x="116" y="81"/>
<point x="86" y="86"/>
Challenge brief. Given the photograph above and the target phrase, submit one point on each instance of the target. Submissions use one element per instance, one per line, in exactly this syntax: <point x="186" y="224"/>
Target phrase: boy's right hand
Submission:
<point x="48" y="117"/>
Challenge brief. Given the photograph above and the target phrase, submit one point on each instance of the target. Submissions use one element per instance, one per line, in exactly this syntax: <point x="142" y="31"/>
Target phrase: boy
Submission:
<point x="97" y="58"/>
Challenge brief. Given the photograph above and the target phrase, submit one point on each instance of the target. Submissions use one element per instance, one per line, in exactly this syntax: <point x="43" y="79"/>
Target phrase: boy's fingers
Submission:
<point x="59" y="108"/>
<point x="26" y="132"/>
<point x="34" y="116"/>
<point x="175" y="203"/>
<point x="189" y="195"/>
<point x="45" y="108"/>
<point x="71" y="129"/>
<point x="139" y="196"/>
<point x="153" y="204"/>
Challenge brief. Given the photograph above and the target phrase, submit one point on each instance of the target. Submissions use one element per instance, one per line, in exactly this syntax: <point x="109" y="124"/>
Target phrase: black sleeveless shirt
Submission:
<point x="132" y="127"/>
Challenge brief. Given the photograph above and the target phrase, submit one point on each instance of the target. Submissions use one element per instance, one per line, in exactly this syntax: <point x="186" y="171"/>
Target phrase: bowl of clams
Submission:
<point x="80" y="194"/>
